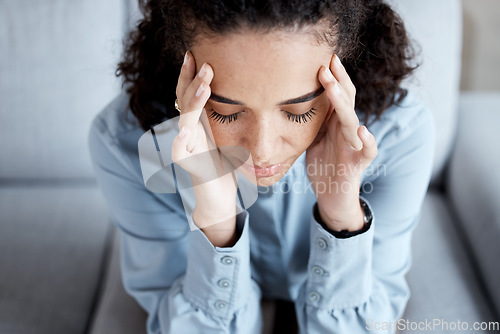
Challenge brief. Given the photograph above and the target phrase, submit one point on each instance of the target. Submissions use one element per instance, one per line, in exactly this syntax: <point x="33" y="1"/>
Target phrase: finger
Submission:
<point x="196" y="97"/>
<point x="186" y="76"/>
<point x="192" y="94"/>
<point x="327" y="123"/>
<point x="343" y="107"/>
<point x="340" y="73"/>
<point x="370" y="150"/>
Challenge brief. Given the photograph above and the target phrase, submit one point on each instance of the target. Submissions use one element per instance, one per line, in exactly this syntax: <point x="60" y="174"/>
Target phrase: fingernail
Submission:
<point x="365" y="131"/>
<point x="202" y="71"/>
<point x="328" y="73"/>
<point x="337" y="60"/>
<point x="200" y="89"/>
<point x="185" y="58"/>
<point x="184" y="131"/>
<point x="359" y="145"/>
<point x="357" y="149"/>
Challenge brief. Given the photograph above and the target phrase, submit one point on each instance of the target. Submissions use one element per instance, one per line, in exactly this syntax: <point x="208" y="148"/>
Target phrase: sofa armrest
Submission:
<point x="473" y="182"/>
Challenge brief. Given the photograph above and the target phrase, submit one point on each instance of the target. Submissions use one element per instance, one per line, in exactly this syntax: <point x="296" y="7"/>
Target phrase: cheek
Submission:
<point x="300" y="137"/>
<point x="308" y="135"/>
<point x="310" y="131"/>
<point x="225" y="134"/>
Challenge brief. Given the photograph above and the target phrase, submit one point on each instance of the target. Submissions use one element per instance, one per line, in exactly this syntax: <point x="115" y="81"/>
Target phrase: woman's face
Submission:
<point x="266" y="96"/>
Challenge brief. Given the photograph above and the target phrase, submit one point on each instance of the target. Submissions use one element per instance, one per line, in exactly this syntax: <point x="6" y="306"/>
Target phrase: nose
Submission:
<point x="263" y="142"/>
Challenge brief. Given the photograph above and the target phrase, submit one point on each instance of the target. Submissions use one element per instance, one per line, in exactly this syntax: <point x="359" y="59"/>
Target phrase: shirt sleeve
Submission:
<point x="183" y="282"/>
<point x="357" y="284"/>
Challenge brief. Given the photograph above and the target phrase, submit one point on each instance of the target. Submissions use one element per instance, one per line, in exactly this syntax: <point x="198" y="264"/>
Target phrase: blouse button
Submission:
<point x="321" y="243"/>
<point x="220" y="305"/>
<point x="314" y="296"/>
<point x="228" y="260"/>
<point x="317" y="270"/>
<point x="224" y="283"/>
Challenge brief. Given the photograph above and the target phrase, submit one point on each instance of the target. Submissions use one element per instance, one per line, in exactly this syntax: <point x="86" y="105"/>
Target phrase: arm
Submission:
<point x="354" y="284"/>
<point x="183" y="282"/>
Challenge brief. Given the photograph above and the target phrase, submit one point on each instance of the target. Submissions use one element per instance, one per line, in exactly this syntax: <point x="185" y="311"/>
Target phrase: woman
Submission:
<point x="307" y="96"/>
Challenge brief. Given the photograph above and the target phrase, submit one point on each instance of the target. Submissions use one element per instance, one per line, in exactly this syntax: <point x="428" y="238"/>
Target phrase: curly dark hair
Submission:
<point x="367" y="35"/>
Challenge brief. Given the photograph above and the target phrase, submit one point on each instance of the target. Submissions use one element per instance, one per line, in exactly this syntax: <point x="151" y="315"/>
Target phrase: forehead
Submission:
<point x="263" y="68"/>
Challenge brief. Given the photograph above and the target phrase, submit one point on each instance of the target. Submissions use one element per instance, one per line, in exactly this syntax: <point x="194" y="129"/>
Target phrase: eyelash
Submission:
<point x="302" y="118"/>
<point x="222" y="118"/>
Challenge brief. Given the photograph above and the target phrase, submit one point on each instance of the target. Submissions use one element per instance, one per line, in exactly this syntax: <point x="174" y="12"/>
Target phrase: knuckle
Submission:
<point x="192" y="105"/>
<point x="351" y="128"/>
<point x="195" y="84"/>
<point x="180" y="89"/>
<point x="330" y="85"/>
<point x="352" y="122"/>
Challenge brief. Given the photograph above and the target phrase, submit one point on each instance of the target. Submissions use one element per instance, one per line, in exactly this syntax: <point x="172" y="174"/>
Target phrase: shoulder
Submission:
<point x="405" y="136"/>
<point x="115" y="118"/>
<point x="114" y="134"/>
<point x="402" y="121"/>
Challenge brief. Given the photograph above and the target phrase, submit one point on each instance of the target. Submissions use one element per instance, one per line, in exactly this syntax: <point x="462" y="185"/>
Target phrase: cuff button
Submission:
<point x="317" y="270"/>
<point x="314" y="296"/>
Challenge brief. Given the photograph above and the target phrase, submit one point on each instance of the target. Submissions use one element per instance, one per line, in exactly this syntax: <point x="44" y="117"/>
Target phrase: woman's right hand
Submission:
<point x="214" y="185"/>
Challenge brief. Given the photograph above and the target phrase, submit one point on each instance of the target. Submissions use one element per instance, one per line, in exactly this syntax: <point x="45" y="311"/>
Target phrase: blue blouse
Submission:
<point x="187" y="285"/>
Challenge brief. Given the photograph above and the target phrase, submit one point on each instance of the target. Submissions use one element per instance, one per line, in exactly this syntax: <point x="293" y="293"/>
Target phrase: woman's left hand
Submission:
<point x="341" y="151"/>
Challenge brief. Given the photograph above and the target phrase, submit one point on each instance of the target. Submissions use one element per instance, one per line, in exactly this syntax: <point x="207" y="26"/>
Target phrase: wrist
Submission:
<point x="347" y="214"/>
<point x="214" y="219"/>
<point x="342" y="230"/>
<point x="350" y="222"/>
<point x="226" y="237"/>
<point x="220" y="230"/>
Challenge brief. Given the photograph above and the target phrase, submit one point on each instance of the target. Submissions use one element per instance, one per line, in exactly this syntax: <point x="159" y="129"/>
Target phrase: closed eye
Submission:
<point x="301" y="118"/>
<point x="223" y="118"/>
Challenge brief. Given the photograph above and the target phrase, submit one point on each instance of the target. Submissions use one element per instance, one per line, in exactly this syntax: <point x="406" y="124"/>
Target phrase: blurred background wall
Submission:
<point x="481" y="48"/>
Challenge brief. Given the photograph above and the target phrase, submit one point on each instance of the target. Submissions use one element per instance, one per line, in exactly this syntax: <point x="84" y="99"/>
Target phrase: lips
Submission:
<point x="263" y="171"/>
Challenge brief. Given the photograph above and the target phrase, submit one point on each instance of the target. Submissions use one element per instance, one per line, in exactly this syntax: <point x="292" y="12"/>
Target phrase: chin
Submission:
<point x="268" y="181"/>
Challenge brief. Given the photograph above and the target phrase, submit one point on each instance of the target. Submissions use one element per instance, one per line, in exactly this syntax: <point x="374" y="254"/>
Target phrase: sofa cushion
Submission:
<point x="117" y="312"/>
<point x="52" y="241"/>
<point x="442" y="281"/>
<point x="437" y="28"/>
<point x="57" y="64"/>
<point x="473" y="182"/>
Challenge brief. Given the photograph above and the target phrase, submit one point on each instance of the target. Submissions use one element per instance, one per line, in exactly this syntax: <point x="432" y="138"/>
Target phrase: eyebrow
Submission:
<point x="301" y="99"/>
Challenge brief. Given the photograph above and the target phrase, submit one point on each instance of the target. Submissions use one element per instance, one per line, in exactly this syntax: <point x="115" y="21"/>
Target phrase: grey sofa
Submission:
<point x="59" y="253"/>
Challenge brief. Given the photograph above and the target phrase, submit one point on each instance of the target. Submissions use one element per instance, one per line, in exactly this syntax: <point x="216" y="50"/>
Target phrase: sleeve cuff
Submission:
<point x="339" y="270"/>
<point x="344" y="233"/>
<point x="218" y="278"/>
